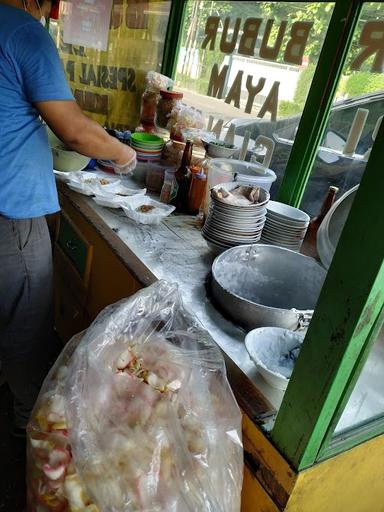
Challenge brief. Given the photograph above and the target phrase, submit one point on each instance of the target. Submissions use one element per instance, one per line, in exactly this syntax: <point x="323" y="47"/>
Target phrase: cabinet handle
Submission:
<point x="70" y="245"/>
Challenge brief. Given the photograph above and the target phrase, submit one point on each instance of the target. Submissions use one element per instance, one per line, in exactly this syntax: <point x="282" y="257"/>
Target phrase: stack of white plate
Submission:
<point x="228" y="225"/>
<point x="285" y="226"/>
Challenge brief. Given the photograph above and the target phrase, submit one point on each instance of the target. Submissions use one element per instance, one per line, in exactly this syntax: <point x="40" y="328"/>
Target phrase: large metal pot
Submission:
<point x="265" y="285"/>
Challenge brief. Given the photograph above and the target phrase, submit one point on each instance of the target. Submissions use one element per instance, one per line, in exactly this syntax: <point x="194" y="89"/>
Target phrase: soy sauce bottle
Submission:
<point x="183" y="180"/>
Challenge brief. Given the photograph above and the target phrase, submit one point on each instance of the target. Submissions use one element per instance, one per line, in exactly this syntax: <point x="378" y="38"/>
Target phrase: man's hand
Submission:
<point x="125" y="166"/>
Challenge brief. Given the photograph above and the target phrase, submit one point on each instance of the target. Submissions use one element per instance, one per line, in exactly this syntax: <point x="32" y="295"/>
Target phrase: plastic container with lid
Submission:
<point x="166" y="103"/>
<point x="217" y="171"/>
<point x="246" y="173"/>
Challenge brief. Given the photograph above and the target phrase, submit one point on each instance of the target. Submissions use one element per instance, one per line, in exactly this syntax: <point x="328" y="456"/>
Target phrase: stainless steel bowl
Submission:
<point x="264" y="285"/>
<point x="330" y="229"/>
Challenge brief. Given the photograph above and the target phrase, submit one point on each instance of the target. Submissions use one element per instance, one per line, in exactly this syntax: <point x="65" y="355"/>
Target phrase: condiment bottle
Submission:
<point x="183" y="179"/>
<point x="197" y="191"/>
<point x="310" y="241"/>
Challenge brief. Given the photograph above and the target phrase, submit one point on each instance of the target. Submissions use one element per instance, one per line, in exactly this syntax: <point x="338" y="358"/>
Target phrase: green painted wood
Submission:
<point x="173" y="37"/>
<point x="349" y="305"/>
<point x="319" y="101"/>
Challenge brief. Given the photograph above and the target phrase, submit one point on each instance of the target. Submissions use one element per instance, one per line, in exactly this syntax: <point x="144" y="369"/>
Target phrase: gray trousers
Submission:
<point x="26" y="320"/>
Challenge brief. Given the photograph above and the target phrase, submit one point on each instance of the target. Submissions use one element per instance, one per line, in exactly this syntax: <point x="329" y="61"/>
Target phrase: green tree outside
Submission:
<point x="352" y="84"/>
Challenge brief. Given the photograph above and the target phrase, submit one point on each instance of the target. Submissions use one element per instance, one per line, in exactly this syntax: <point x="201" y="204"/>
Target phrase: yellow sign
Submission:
<point x="108" y="84"/>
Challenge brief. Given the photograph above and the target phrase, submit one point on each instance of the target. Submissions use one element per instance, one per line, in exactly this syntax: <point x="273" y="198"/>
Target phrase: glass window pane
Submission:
<point x="341" y="160"/>
<point x="367" y="399"/>
<point x="251" y="64"/>
<point x="108" y="84"/>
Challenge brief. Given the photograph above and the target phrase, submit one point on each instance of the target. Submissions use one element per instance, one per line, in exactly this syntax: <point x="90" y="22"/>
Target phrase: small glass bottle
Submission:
<point x="183" y="180"/>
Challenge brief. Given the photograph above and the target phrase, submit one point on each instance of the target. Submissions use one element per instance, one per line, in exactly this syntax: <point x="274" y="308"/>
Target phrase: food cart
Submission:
<point x="302" y="453"/>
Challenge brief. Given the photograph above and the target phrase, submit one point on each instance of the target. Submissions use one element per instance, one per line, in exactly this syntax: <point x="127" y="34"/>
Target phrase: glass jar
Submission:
<point x="155" y="177"/>
<point x="167" y="102"/>
<point x="168" y="190"/>
<point x="148" y="108"/>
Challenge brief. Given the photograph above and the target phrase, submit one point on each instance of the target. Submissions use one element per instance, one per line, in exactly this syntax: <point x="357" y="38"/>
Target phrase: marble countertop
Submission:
<point x="176" y="251"/>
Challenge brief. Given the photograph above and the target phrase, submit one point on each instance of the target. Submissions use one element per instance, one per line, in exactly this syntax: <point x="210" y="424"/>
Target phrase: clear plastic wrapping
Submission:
<point x="184" y="117"/>
<point x="155" y="81"/>
<point x="137" y="416"/>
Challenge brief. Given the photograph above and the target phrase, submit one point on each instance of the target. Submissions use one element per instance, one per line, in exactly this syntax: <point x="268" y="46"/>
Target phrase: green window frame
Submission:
<point x="350" y="310"/>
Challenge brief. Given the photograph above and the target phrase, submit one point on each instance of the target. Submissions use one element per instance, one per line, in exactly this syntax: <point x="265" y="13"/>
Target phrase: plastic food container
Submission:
<point x="134" y="208"/>
<point x="217" y="173"/>
<point x="108" y="200"/>
<point x="246" y="173"/>
<point x="155" y="177"/>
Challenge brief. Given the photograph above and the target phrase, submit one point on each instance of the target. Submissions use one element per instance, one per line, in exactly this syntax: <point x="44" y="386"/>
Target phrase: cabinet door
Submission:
<point x="75" y="247"/>
<point x="70" y="312"/>
<point x="72" y="265"/>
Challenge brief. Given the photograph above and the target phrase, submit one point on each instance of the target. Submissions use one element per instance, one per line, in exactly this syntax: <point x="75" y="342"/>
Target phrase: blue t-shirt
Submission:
<point x="30" y="71"/>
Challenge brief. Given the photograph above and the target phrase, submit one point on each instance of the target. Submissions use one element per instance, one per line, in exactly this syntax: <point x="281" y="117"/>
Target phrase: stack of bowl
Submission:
<point x="228" y="225"/>
<point x="285" y="226"/>
<point x="148" y="147"/>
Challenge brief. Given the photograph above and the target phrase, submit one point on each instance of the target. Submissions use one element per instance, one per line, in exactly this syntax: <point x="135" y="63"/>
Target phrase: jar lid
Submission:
<point x="171" y="95"/>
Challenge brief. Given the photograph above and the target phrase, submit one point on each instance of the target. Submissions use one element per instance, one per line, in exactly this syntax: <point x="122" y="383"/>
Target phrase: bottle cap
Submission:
<point x="201" y="175"/>
<point x="171" y="95"/>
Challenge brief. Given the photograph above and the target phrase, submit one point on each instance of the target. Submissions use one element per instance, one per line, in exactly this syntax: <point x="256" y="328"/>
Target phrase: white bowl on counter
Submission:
<point x="65" y="160"/>
<point x="272" y="349"/>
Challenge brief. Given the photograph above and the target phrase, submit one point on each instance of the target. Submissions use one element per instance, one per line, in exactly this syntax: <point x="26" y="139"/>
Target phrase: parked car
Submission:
<point x="331" y="167"/>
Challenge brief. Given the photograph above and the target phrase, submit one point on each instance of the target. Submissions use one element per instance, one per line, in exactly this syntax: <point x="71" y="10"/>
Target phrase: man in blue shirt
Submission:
<point x="33" y="87"/>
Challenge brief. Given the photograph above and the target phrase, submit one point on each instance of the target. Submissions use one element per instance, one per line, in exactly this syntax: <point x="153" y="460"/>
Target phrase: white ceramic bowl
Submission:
<point x="269" y="349"/>
<point x="287" y="213"/>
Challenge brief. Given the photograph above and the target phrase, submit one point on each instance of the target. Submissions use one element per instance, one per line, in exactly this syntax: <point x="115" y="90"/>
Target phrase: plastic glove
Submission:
<point x="127" y="167"/>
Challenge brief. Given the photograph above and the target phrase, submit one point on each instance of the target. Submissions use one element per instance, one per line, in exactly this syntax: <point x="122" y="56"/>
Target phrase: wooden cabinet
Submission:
<point x="75" y="247"/>
<point x="89" y="274"/>
<point x="72" y="256"/>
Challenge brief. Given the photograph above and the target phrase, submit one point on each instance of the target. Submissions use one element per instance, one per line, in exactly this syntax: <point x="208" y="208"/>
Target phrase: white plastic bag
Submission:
<point x="137" y="416"/>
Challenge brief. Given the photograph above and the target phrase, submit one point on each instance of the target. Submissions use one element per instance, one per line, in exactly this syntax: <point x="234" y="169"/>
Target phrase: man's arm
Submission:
<point x="82" y="134"/>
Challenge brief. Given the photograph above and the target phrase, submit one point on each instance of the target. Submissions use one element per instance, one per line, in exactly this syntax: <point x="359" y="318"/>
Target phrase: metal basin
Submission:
<point x="264" y="285"/>
<point x="330" y="229"/>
